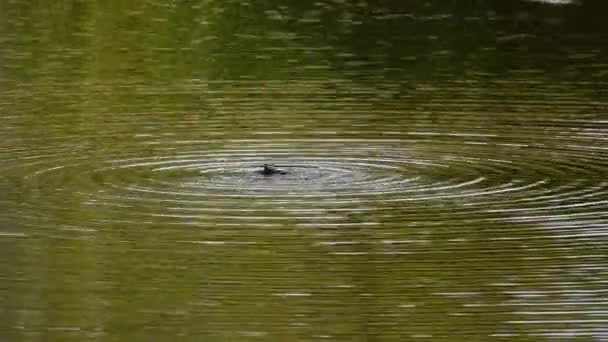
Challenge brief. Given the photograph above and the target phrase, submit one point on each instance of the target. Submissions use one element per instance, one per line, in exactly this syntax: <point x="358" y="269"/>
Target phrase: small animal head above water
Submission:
<point x="269" y="169"/>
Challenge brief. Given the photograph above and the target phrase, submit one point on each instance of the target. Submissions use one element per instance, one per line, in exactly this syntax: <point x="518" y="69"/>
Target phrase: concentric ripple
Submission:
<point x="477" y="178"/>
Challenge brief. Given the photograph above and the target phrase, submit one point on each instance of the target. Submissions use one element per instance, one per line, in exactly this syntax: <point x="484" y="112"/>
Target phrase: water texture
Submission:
<point x="447" y="171"/>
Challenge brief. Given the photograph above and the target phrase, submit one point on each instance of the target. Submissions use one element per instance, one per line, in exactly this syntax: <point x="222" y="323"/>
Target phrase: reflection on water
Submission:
<point x="446" y="171"/>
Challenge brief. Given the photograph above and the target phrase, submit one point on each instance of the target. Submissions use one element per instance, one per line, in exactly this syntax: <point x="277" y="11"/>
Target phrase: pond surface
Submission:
<point x="447" y="171"/>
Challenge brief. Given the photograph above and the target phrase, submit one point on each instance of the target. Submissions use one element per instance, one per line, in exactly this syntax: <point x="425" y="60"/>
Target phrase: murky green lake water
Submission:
<point x="447" y="171"/>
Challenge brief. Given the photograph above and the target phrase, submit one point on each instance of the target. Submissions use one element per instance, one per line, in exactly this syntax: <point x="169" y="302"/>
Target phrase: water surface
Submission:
<point x="447" y="171"/>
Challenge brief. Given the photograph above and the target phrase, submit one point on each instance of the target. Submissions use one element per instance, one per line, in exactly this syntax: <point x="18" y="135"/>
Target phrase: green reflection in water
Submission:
<point x="461" y="191"/>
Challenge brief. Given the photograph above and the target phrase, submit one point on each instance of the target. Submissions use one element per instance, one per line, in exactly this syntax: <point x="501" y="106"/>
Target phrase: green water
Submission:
<point x="447" y="171"/>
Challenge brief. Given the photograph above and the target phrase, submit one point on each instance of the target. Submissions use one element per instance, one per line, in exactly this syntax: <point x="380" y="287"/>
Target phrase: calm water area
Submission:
<point x="447" y="170"/>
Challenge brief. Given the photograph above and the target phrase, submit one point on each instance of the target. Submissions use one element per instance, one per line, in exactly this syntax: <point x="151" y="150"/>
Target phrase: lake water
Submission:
<point x="447" y="170"/>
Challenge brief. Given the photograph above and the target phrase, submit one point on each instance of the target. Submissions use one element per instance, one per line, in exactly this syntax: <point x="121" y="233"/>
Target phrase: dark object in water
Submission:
<point x="270" y="170"/>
